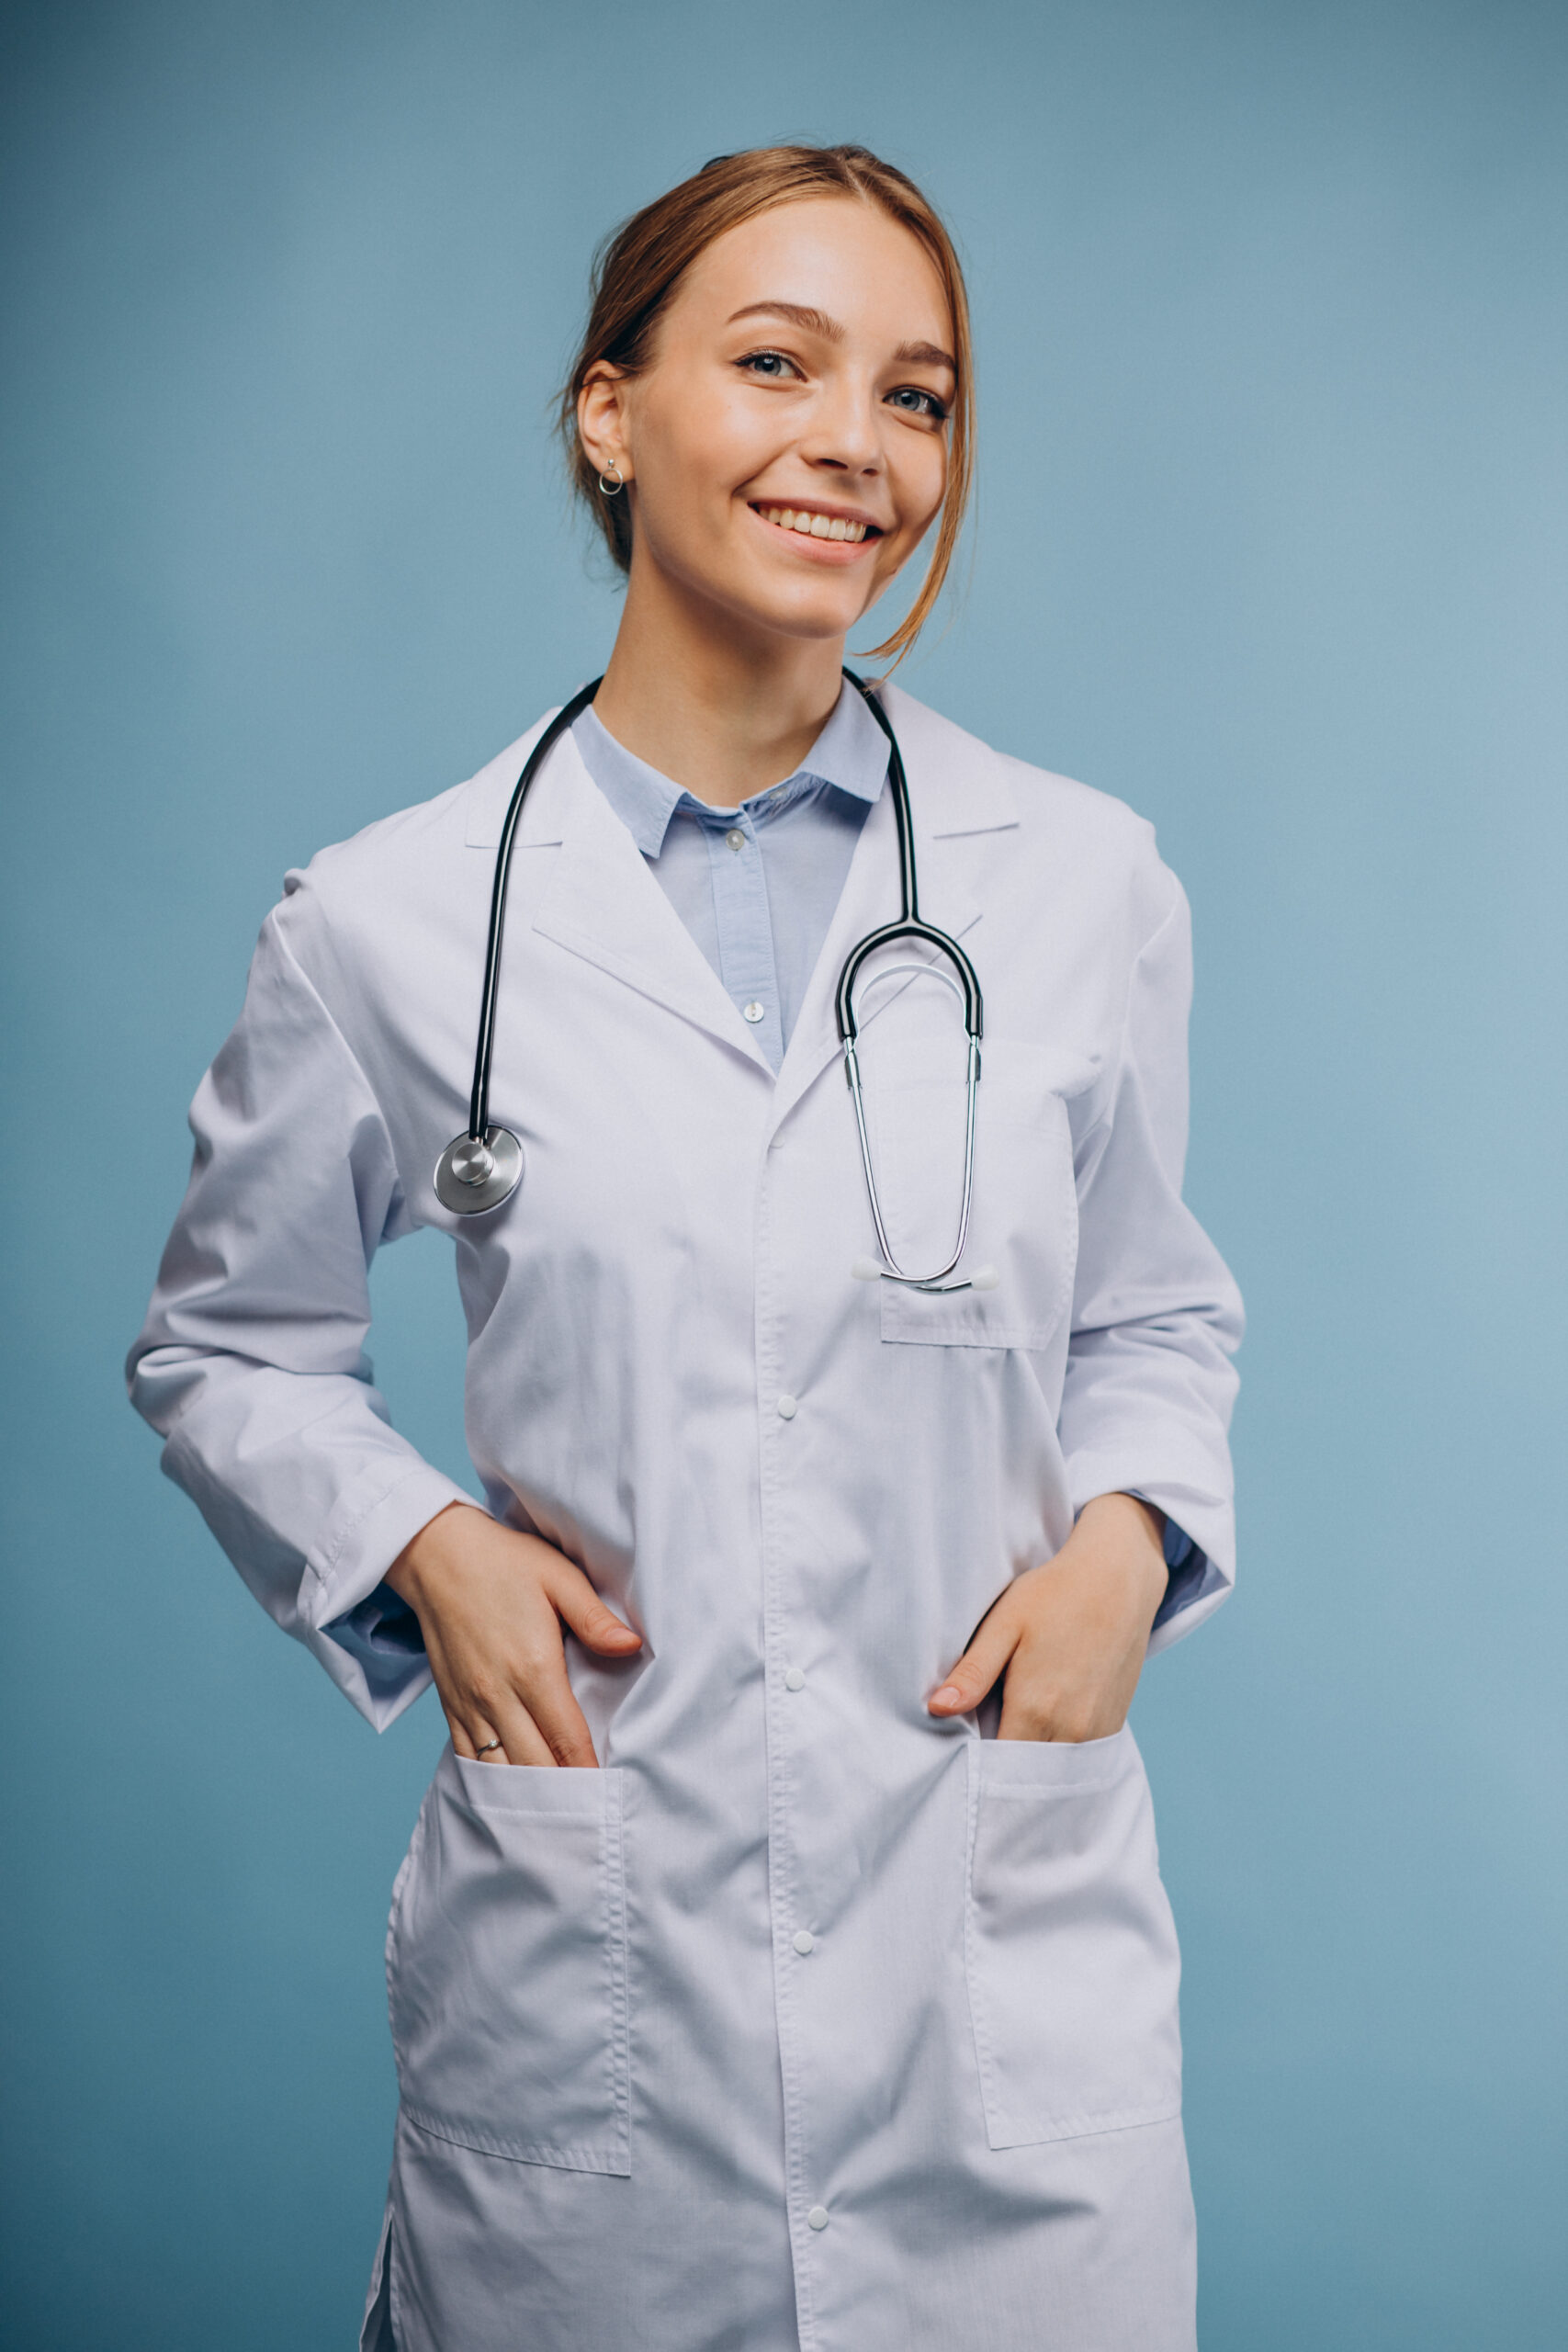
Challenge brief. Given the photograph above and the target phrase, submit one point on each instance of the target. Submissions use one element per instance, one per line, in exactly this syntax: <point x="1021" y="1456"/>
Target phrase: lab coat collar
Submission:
<point x="964" y="787"/>
<point x="603" y="903"/>
<point x="489" y="794"/>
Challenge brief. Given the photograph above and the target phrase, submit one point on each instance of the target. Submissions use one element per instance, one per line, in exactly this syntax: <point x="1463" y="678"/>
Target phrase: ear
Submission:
<point x="602" y="418"/>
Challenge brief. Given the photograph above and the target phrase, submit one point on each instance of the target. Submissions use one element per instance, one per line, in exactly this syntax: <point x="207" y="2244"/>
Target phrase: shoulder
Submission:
<point x="393" y="880"/>
<point x="1055" y="823"/>
<point x="404" y="843"/>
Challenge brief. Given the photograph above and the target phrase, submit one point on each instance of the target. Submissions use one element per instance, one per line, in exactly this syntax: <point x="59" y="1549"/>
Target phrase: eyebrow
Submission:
<point x="813" y="322"/>
<point x="926" y="355"/>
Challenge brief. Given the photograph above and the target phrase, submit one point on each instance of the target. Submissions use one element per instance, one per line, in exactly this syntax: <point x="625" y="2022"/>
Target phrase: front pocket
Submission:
<point x="1023" y="1218"/>
<point x="1069" y="1943"/>
<point x="506" y="1965"/>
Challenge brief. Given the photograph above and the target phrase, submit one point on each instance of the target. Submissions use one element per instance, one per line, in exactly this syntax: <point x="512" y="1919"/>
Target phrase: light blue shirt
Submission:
<point x="756" y="886"/>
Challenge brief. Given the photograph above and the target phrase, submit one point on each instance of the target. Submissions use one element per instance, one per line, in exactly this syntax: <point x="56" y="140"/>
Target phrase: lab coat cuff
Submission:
<point x="372" y="1654"/>
<point x="1189" y="1576"/>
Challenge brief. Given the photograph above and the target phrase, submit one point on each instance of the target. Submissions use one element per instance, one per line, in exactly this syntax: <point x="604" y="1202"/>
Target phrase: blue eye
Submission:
<point x="914" y="401"/>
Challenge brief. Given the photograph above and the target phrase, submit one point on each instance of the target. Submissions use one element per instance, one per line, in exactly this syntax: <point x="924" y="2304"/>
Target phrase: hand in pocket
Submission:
<point x="1070" y="1636"/>
<point x="491" y="1605"/>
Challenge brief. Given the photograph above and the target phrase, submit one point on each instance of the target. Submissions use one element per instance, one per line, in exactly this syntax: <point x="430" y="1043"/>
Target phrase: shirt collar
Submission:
<point x="850" y="753"/>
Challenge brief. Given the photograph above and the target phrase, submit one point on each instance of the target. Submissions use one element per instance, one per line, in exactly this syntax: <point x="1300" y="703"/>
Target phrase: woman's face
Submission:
<point x="786" y="450"/>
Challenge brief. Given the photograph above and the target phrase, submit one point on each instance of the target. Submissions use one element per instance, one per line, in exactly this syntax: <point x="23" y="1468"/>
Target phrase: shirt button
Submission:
<point x="737" y="840"/>
<point x="787" y="1409"/>
<point x="805" y="1942"/>
<point x="817" y="2218"/>
<point x="794" y="1679"/>
<point x="755" y="1011"/>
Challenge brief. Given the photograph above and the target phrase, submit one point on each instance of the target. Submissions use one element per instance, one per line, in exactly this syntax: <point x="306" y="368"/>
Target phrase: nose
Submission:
<point x="845" y="434"/>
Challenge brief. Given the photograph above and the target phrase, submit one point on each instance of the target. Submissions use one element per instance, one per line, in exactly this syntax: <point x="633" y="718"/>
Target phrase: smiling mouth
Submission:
<point x="813" y="526"/>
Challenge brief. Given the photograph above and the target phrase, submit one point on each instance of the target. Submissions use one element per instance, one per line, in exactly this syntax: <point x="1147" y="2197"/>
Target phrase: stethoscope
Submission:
<point x="483" y="1166"/>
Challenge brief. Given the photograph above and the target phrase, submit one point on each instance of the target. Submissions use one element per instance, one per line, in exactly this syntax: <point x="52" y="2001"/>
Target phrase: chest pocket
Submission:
<point x="1023" y="1218"/>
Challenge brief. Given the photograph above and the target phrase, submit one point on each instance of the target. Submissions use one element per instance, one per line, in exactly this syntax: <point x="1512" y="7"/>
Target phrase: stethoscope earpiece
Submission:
<point x="868" y="1270"/>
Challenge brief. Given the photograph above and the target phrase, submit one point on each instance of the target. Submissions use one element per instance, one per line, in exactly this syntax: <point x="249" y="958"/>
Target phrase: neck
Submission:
<point x="722" y="712"/>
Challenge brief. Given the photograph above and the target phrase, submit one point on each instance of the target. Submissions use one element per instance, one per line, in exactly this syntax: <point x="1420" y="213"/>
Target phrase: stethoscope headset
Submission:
<point x="482" y="1166"/>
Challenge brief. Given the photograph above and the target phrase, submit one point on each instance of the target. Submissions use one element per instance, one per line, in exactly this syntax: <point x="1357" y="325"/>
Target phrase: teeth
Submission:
<point x="814" y="526"/>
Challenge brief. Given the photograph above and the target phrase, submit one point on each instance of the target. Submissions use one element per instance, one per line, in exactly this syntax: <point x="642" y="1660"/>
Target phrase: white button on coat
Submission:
<point x="788" y="1408"/>
<point x="583" y="1964"/>
<point x="817" y="2218"/>
<point x="794" y="1679"/>
<point x="804" y="1941"/>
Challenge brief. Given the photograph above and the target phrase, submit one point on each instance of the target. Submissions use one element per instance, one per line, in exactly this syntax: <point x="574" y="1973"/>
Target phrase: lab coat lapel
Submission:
<point x="601" y="903"/>
<point x="953" y="797"/>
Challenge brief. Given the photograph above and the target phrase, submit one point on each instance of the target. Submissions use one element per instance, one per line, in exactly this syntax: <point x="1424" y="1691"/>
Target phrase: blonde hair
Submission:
<point x="638" y="267"/>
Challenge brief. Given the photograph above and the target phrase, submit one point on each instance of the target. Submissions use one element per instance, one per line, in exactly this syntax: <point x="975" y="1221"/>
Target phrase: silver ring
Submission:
<point x="485" y="1748"/>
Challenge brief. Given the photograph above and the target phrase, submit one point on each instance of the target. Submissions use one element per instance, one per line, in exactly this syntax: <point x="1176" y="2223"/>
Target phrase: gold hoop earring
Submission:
<point x="613" y="489"/>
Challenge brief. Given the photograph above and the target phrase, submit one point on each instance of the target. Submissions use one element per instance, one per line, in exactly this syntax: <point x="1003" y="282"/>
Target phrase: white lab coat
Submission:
<point x="805" y="2020"/>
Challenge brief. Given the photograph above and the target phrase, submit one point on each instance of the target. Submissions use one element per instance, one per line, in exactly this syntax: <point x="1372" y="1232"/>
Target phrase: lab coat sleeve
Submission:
<point x="1156" y="1316"/>
<point x="251" y="1366"/>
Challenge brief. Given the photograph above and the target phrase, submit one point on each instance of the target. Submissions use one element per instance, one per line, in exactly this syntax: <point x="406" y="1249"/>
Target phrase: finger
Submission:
<point x="474" y="1740"/>
<point x="463" y="1742"/>
<point x="596" y="1626"/>
<point x="1069" y="1717"/>
<point x="466" y="1725"/>
<point x="491" y="1729"/>
<point x="1031" y="1715"/>
<point x="539" y="1701"/>
<point x="522" y="1742"/>
<point x="554" y="1720"/>
<point x="980" y="1667"/>
<point x="469" y="1725"/>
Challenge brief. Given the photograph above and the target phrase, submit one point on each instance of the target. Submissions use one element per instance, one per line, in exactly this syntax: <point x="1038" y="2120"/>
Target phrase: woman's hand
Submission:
<point x="1071" y="1636"/>
<point x="491" y="1604"/>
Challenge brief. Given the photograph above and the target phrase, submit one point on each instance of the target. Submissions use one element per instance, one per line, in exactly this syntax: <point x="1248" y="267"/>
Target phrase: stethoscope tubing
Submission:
<point x="479" y="1099"/>
<point x="909" y="924"/>
<point x="890" y="1270"/>
<point x="481" y="1168"/>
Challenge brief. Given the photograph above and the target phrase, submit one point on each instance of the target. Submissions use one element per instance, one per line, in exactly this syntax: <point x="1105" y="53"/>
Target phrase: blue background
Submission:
<point x="1271" y="315"/>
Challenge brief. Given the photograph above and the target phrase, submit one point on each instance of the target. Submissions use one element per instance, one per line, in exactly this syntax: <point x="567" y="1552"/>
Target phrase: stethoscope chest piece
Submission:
<point x="471" y="1176"/>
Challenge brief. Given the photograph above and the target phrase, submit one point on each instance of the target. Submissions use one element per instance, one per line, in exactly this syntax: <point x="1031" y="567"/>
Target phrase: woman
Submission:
<point x="829" y="1998"/>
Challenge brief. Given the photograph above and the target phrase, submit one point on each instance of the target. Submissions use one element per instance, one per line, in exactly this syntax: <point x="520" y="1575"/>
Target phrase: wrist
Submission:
<point x="1128" y="1537"/>
<point x="407" y="1573"/>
